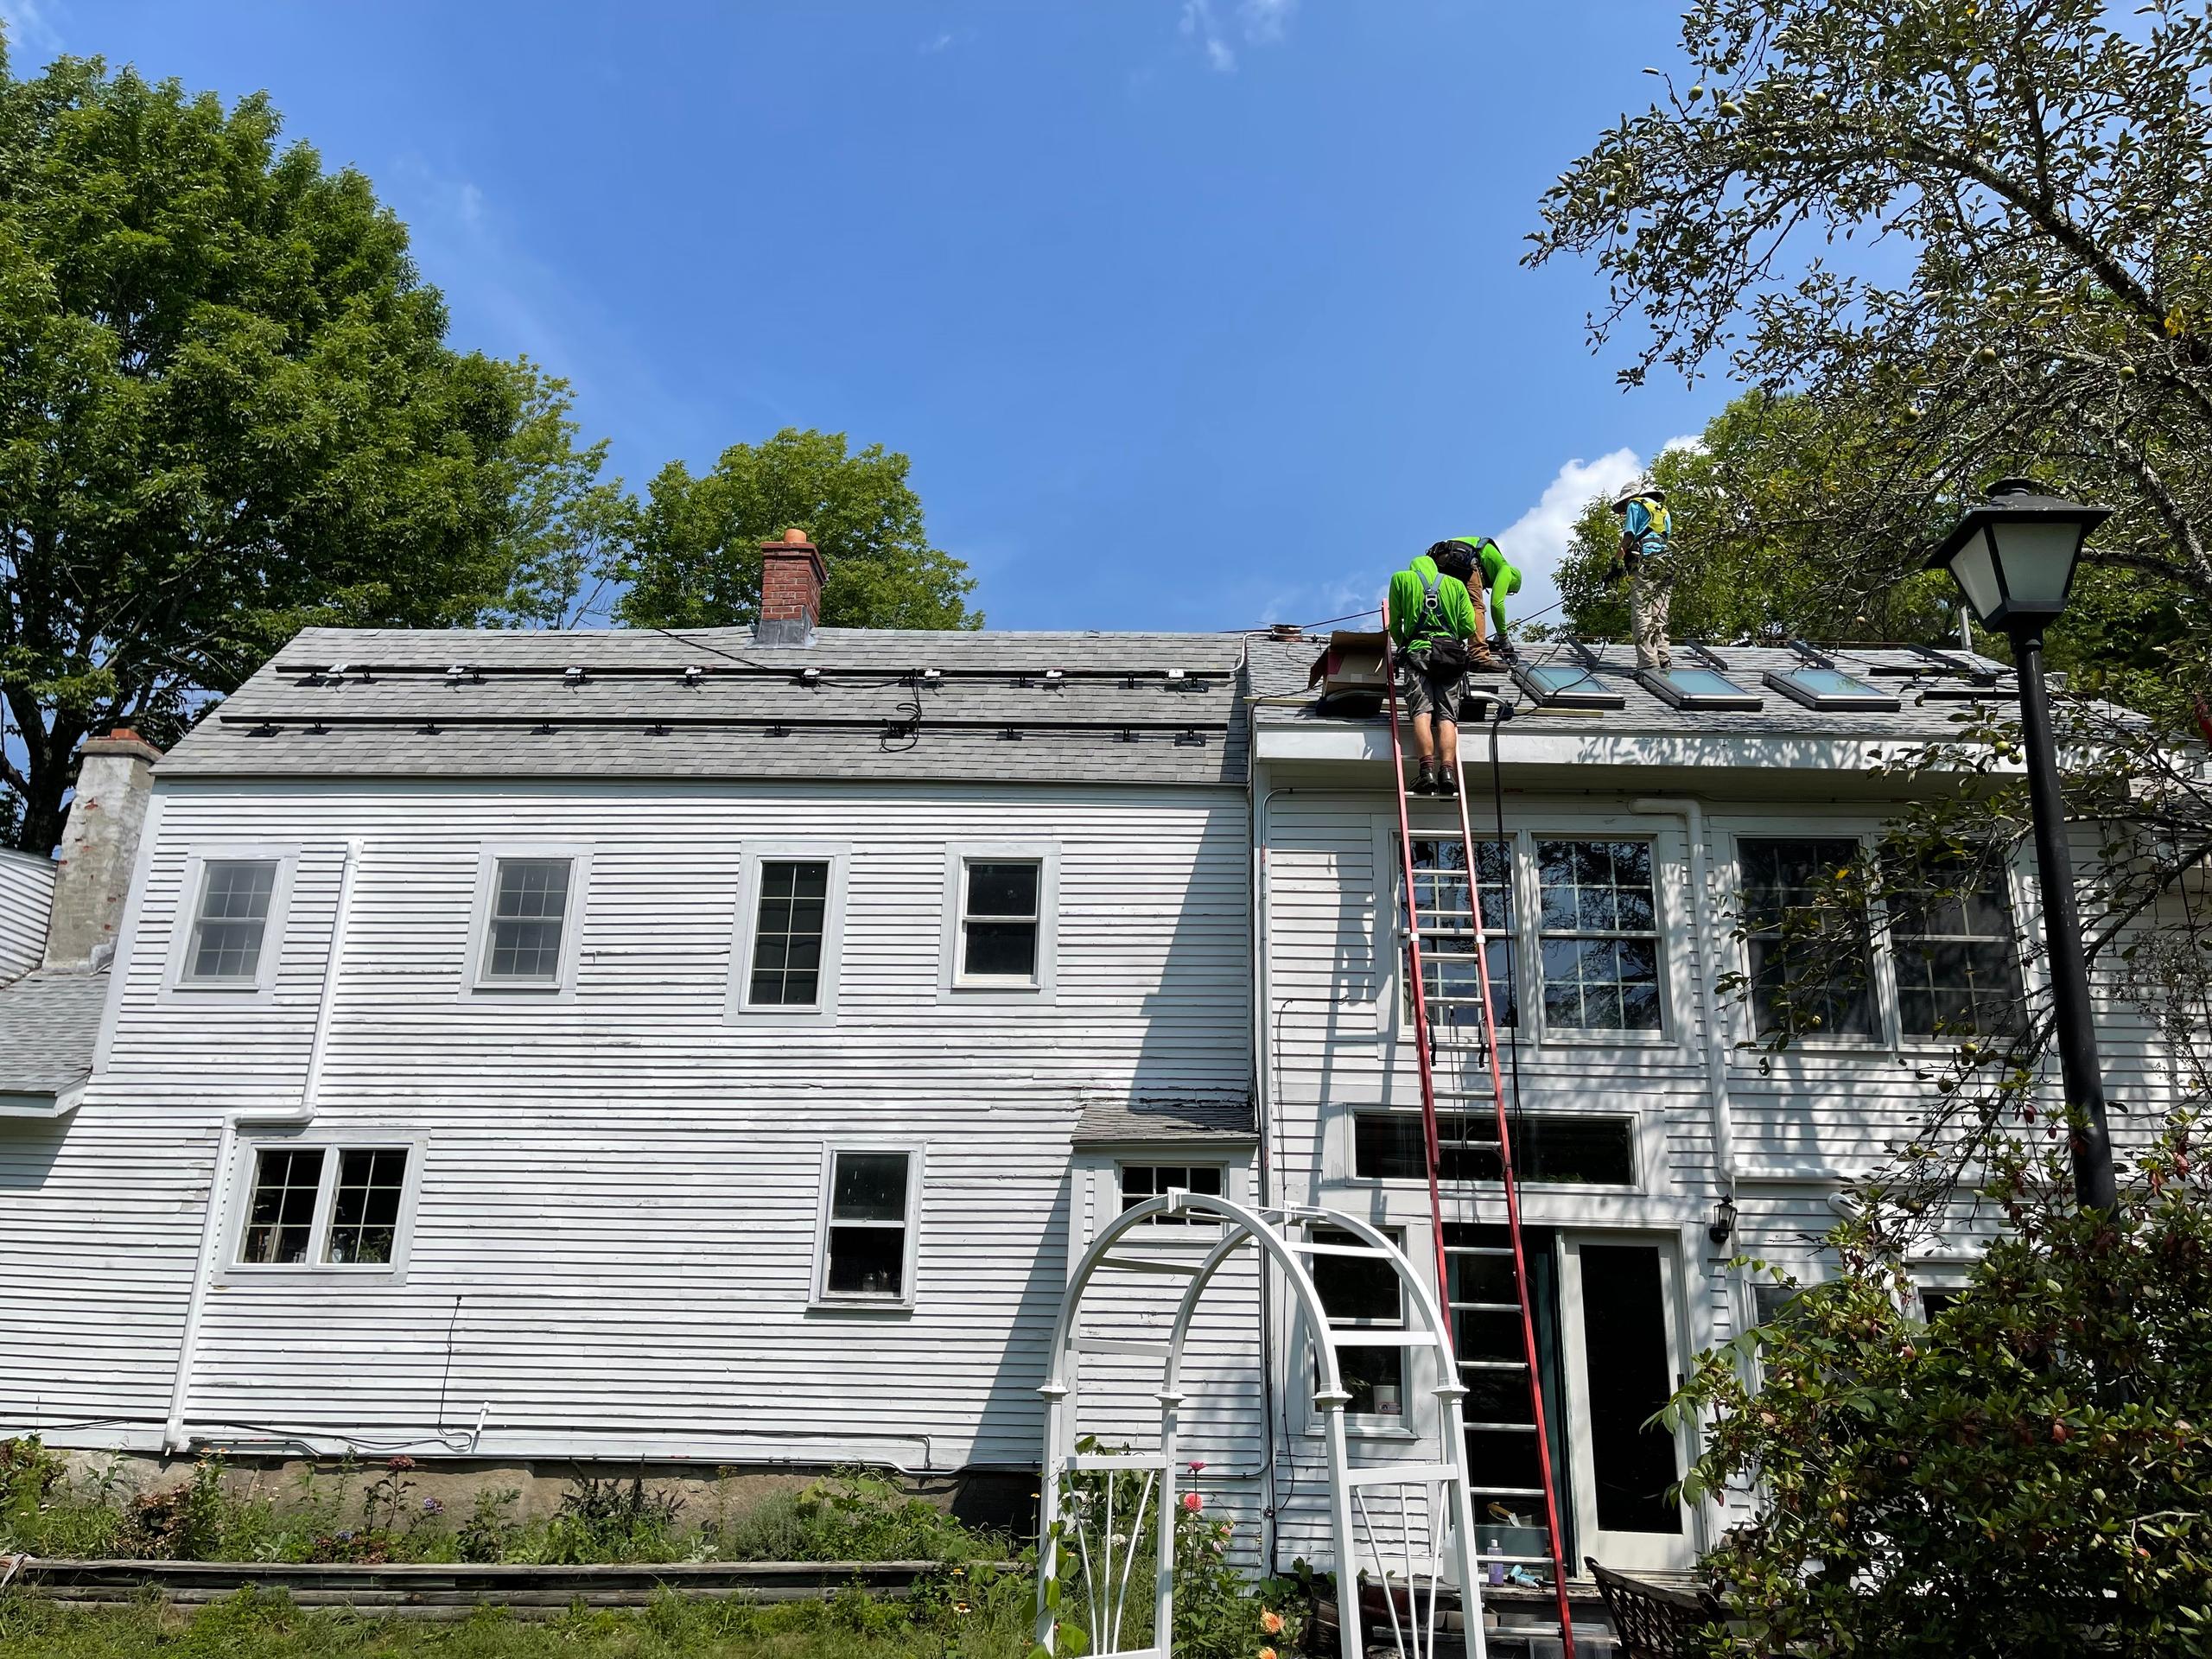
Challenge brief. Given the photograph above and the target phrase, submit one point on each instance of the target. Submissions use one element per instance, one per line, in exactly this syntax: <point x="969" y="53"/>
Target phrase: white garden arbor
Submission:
<point x="1372" y="1504"/>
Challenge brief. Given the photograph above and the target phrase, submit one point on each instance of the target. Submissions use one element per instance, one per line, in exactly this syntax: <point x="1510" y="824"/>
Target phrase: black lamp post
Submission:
<point x="2013" y="558"/>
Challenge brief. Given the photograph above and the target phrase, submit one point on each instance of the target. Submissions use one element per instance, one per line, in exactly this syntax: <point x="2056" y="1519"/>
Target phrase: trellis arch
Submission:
<point x="1283" y="1235"/>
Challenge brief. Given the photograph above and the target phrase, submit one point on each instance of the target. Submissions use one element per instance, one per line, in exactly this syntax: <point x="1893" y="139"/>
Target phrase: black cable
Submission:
<point x="1497" y="801"/>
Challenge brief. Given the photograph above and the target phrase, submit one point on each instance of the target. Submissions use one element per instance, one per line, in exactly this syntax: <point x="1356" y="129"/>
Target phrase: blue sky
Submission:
<point x="1193" y="313"/>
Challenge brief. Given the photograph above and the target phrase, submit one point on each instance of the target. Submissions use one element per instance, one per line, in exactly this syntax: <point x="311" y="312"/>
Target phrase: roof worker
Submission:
<point x="1438" y="635"/>
<point x="1646" y="535"/>
<point x="1498" y="581"/>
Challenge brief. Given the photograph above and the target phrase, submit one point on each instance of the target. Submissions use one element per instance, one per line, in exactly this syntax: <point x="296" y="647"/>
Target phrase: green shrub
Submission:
<point x="2029" y="1475"/>
<point x="852" y="1515"/>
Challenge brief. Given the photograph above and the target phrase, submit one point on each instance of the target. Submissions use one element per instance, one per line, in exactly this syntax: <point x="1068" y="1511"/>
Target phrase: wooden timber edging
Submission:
<point x="454" y="1589"/>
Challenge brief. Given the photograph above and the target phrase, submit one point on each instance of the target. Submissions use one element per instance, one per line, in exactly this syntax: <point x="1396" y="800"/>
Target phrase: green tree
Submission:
<point x="1766" y="544"/>
<point x="568" y="528"/>
<point x="2028" y="1473"/>
<point x="697" y="560"/>
<point x="226" y="409"/>
<point x="2036" y="177"/>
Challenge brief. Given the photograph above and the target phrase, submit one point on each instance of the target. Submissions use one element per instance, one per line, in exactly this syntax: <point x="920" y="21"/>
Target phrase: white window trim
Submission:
<point x="474" y="988"/>
<point x="176" y="981"/>
<point x="1416" y="1372"/>
<point x="738" y="1007"/>
<point x="953" y="986"/>
<point x="333" y="1142"/>
<point x="820" y="1298"/>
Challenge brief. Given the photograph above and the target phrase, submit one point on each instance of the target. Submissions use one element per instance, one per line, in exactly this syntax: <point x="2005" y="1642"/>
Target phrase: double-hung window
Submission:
<point x="1958" y="961"/>
<point x="231" y="925"/>
<point x="1362" y="1293"/>
<point x="1451" y="982"/>
<point x="530" y="905"/>
<point x="335" y="1206"/>
<point x="1143" y="1182"/>
<point x="867" y="1253"/>
<point x="1810" y="964"/>
<point x="1599" y="939"/>
<point x="788" y="927"/>
<point x="998" y="924"/>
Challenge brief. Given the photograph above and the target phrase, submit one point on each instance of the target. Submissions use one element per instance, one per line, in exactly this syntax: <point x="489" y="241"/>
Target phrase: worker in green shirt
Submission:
<point x="1437" y="636"/>
<point x="1498" y="580"/>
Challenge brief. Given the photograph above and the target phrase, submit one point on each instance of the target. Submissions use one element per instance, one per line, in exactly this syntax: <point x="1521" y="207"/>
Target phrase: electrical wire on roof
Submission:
<point x="781" y="667"/>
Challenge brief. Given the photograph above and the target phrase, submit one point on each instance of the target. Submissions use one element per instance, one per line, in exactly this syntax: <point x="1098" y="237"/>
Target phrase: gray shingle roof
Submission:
<point x="1148" y="707"/>
<point x="49" y="1023"/>
<point x="1279" y="669"/>
<point x="1112" y="1122"/>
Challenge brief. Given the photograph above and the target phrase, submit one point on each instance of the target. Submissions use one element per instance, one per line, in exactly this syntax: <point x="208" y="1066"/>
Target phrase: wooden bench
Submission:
<point x="1654" y="1621"/>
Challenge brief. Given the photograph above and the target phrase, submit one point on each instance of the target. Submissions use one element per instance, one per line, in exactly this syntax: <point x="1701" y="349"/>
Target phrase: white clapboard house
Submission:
<point x="713" y="1049"/>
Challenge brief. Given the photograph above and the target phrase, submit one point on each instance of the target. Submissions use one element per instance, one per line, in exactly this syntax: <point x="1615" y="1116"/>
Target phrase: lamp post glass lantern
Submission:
<point x="2014" y="557"/>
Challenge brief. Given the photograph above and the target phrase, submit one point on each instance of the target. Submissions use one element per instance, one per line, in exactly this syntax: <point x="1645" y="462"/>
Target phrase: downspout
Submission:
<point x="1263" y="1099"/>
<point x="174" y="1439"/>
<point x="1708" y="953"/>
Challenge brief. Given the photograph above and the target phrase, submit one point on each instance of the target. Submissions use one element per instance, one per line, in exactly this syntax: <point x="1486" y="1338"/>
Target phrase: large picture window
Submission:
<point x="1600" y="936"/>
<point x="1809" y="969"/>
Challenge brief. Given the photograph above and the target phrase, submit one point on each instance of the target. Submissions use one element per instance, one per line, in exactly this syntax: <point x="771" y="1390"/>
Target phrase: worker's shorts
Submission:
<point x="1426" y="693"/>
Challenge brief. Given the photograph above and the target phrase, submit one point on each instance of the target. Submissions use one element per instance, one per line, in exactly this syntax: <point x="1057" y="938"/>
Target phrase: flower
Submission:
<point x="431" y="1506"/>
<point x="403" y="1461"/>
<point x="1193" y="1503"/>
<point x="1196" y="1464"/>
<point x="959" y="1606"/>
<point x="1271" y="1621"/>
<point x="1266" y="1653"/>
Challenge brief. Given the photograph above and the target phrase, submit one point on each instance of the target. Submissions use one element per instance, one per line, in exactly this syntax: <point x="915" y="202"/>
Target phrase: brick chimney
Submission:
<point x="791" y="590"/>
<point x="99" y="845"/>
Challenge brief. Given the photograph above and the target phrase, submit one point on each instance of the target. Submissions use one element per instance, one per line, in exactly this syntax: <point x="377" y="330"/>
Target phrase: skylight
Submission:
<point x="1829" y="689"/>
<point x="1566" y="685"/>
<point x="1697" y="688"/>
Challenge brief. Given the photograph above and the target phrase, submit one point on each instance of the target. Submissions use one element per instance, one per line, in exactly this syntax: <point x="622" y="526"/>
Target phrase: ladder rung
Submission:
<point x="1500" y="1428"/>
<point x="1484" y="1307"/>
<point x="1478" y="1250"/>
<point x="1147" y="1264"/>
<point x="1493" y="1364"/>
<point x="1504" y="1491"/>
<point x="1384" y="1474"/>
<point x="1515" y="1560"/>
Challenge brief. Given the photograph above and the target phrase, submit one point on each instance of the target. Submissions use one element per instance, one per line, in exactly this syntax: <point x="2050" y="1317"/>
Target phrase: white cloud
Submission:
<point x="30" y="23"/>
<point x="1261" y="23"/>
<point x="935" y="44"/>
<point x="1538" y="540"/>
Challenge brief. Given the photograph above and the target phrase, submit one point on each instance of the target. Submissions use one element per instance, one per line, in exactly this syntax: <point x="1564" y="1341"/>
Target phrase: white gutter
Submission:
<point x="1708" y="952"/>
<point x="174" y="1439"/>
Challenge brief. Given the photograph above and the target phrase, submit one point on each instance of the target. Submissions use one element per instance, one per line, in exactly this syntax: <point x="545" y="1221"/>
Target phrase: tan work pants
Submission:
<point x="1649" y="595"/>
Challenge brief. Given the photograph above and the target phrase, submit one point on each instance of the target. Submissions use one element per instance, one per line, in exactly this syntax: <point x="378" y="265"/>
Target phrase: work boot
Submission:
<point x="1480" y="659"/>
<point x="1425" y="780"/>
<point x="1448" y="782"/>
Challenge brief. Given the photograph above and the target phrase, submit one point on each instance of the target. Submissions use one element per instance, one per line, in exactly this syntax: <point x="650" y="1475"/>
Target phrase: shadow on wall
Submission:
<point x="29" y="1149"/>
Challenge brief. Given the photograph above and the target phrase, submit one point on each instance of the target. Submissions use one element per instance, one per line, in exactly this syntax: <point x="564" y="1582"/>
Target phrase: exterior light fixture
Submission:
<point x="2013" y="558"/>
<point x="1722" y="1227"/>
<point x="2013" y="555"/>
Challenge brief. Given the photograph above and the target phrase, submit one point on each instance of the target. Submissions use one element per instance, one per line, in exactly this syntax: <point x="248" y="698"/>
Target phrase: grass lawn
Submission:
<point x="247" y="1626"/>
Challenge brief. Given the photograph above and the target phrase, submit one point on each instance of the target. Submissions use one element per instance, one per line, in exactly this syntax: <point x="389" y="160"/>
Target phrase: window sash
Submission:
<point x="1550" y="1149"/>
<point x="526" y="929"/>
<point x="1451" y="986"/>
<point x="1956" y="957"/>
<point x="1598" y="975"/>
<point x="1018" y="931"/>
<point x="1341" y="1282"/>
<point x="856" y="1266"/>
<point x="1140" y="1182"/>
<point x="326" y="1204"/>
<point x="230" y="921"/>
<point x="791" y="934"/>
<point x="1778" y="877"/>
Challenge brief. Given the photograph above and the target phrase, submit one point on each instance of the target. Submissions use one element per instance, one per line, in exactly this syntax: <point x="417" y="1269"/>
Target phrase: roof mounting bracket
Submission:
<point x="267" y="728"/>
<point x="1810" y="654"/>
<point x="1191" y="738"/>
<point x="778" y="729"/>
<point x="460" y="673"/>
<point x="1011" y="735"/>
<point x="811" y="677"/>
<point x="694" y="675"/>
<point x="574" y="675"/>
<point x="1125" y="736"/>
<point x="543" y="729"/>
<point x="1950" y="664"/>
